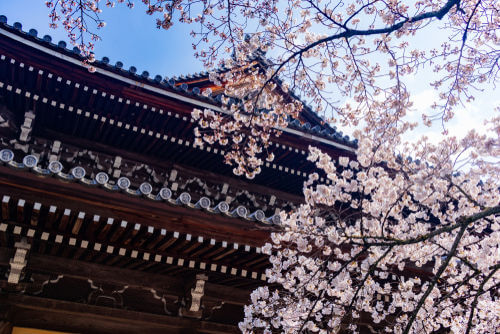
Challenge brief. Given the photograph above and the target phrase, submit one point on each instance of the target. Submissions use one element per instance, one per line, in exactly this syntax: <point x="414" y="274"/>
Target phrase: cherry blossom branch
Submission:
<point x="476" y="298"/>
<point x="348" y="33"/>
<point x="435" y="279"/>
<point x="464" y="222"/>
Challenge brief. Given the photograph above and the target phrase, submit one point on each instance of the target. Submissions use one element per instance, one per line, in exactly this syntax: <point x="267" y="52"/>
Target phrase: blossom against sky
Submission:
<point x="130" y="36"/>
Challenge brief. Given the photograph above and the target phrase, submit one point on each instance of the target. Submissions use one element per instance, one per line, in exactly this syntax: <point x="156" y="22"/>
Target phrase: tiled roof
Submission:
<point x="314" y="127"/>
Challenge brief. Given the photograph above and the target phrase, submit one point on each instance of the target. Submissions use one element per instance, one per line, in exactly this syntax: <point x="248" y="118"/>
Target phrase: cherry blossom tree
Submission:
<point x="391" y="245"/>
<point x="395" y="244"/>
<point x="349" y="59"/>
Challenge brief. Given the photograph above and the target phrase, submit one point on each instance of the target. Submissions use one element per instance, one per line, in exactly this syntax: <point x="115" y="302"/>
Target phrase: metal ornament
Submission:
<point x="165" y="193"/>
<point x="30" y="161"/>
<point x="123" y="183"/>
<point x="78" y="172"/>
<point x="101" y="178"/>
<point x="55" y="167"/>
<point x="241" y="211"/>
<point x="146" y="188"/>
<point x="6" y="155"/>
<point x="223" y="207"/>
<point x="184" y="198"/>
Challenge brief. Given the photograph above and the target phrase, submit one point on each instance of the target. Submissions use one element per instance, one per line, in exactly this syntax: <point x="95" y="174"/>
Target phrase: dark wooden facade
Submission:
<point x="112" y="221"/>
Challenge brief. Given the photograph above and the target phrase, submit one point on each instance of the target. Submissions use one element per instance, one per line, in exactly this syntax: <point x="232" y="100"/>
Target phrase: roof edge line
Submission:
<point x="108" y="73"/>
<point x="319" y="139"/>
<point x="158" y="90"/>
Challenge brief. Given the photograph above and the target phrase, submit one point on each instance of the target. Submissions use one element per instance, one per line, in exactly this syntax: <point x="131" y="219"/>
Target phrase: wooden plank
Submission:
<point x="29" y="311"/>
<point x="84" y="270"/>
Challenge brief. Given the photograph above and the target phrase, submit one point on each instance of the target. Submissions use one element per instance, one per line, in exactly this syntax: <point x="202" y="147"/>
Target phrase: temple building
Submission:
<point x="112" y="220"/>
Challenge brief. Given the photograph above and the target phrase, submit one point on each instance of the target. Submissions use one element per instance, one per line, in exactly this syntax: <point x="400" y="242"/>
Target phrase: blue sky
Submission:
<point x="130" y="36"/>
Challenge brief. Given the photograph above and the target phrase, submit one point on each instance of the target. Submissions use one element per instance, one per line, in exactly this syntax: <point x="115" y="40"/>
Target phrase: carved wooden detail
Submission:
<point x="18" y="262"/>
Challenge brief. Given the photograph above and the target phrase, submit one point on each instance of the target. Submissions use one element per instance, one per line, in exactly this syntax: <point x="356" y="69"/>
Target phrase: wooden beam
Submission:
<point x="35" y="213"/>
<point x="20" y="210"/>
<point x="118" y="231"/>
<point x="51" y="216"/>
<point x="5" y="207"/>
<point x="64" y="220"/>
<point x="105" y="230"/>
<point x="101" y="273"/>
<point x="159" y="237"/>
<point x="44" y="313"/>
<point x="78" y="222"/>
<point x="77" y="197"/>
<point x="93" y="226"/>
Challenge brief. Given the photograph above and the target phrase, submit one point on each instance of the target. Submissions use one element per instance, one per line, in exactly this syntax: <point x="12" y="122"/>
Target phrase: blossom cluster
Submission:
<point x="247" y="122"/>
<point x="350" y="60"/>
<point x="405" y="245"/>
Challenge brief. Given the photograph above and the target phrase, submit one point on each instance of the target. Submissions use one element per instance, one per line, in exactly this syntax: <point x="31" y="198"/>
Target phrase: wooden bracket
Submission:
<point x="27" y="126"/>
<point x="193" y="306"/>
<point x="18" y="262"/>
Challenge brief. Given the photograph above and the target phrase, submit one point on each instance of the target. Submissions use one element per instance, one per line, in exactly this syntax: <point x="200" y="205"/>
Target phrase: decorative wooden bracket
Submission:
<point x="193" y="306"/>
<point x="27" y="126"/>
<point x="18" y="262"/>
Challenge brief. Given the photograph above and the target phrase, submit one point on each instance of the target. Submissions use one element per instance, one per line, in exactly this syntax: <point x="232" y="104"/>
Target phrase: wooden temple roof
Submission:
<point x="112" y="220"/>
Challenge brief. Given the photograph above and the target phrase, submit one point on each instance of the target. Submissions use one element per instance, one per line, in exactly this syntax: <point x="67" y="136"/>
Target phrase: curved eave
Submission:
<point x="74" y="60"/>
